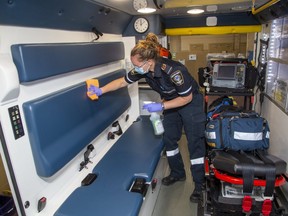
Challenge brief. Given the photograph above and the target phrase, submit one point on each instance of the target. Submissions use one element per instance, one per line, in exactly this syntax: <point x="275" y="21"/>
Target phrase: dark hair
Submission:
<point x="146" y="50"/>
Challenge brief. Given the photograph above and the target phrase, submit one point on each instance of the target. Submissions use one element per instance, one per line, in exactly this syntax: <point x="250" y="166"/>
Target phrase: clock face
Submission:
<point x="141" y="25"/>
<point x="138" y="4"/>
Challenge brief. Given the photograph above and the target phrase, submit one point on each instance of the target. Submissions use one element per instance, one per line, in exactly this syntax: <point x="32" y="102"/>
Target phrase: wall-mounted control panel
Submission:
<point x="16" y="121"/>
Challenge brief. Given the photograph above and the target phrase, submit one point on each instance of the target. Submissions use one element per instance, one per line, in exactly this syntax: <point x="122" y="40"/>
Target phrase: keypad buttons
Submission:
<point x="16" y="121"/>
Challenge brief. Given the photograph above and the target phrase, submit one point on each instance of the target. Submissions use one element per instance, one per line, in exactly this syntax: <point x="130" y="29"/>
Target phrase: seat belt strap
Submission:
<point x="270" y="173"/>
<point x="247" y="170"/>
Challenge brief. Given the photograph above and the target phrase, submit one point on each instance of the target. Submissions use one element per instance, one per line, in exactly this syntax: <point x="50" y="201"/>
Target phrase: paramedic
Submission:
<point x="182" y="105"/>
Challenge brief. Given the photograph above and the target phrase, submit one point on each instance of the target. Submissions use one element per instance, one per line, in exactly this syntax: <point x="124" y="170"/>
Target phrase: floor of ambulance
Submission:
<point x="174" y="200"/>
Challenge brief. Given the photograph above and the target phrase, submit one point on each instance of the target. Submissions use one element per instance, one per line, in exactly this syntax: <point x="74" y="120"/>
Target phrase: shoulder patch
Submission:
<point x="133" y="72"/>
<point x="177" y="78"/>
<point x="166" y="68"/>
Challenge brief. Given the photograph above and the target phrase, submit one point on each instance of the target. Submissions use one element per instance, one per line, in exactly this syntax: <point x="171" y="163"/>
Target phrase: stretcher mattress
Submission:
<point x="225" y="161"/>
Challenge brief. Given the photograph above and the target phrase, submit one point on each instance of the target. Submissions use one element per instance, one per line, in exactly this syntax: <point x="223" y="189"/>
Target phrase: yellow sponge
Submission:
<point x="90" y="94"/>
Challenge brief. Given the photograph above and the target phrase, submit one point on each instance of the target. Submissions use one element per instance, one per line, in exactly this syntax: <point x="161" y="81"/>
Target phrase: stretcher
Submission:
<point x="243" y="183"/>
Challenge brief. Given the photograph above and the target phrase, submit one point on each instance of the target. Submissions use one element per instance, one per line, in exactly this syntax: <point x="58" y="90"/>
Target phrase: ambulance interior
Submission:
<point x="53" y="135"/>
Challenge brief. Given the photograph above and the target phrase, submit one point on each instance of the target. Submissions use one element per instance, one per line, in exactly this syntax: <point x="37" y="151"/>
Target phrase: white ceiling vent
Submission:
<point x="211" y="21"/>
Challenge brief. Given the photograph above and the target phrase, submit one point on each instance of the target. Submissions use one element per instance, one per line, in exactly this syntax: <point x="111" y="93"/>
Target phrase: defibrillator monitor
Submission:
<point x="229" y="75"/>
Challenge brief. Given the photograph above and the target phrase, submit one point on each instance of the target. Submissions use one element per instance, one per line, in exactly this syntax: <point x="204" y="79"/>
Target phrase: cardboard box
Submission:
<point x="196" y="47"/>
<point x="221" y="47"/>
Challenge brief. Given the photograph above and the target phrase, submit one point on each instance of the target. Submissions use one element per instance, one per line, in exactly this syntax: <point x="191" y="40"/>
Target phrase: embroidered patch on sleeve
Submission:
<point x="133" y="72"/>
<point x="177" y="78"/>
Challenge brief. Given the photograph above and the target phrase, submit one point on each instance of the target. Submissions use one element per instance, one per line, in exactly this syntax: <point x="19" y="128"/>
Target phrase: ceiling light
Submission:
<point x="195" y="11"/>
<point x="146" y="10"/>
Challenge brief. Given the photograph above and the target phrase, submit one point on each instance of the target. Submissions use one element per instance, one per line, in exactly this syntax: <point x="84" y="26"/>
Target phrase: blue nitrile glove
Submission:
<point x="95" y="90"/>
<point x="153" y="107"/>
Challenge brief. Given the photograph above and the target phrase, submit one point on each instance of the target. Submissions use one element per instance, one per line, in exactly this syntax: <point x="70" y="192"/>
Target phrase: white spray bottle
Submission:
<point x="157" y="123"/>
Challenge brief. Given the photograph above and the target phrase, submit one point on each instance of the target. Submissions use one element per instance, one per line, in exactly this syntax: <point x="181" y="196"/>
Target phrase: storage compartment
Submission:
<point x="236" y="191"/>
<point x="7" y="207"/>
<point x="139" y="185"/>
<point x="276" y="74"/>
<point x="281" y="92"/>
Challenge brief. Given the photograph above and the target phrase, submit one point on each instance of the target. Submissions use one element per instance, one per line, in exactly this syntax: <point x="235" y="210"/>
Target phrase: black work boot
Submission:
<point x="169" y="180"/>
<point x="197" y="194"/>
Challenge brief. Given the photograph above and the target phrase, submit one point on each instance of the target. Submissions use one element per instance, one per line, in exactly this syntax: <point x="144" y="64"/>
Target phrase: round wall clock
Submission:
<point x="141" y="25"/>
<point x="138" y="4"/>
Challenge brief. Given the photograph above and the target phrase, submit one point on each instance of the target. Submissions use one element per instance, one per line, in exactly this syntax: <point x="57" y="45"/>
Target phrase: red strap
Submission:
<point x="266" y="207"/>
<point x="247" y="204"/>
<point x="215" y="115"/>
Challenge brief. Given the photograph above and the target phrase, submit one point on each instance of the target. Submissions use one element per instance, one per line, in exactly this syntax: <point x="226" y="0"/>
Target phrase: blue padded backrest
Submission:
<point x="38" y="61"/>
<point x="61" y="124"/>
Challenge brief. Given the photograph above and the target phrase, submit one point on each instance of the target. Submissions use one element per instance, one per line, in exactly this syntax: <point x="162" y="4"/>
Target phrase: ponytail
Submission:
<point x="146" y="50"/>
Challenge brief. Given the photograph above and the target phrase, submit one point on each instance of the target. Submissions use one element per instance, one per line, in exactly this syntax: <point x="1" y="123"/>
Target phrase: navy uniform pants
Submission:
<point x="192" y="118"/>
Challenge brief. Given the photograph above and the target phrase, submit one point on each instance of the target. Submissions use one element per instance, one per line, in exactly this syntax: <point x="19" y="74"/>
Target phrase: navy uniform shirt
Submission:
<point x="170" y="79"/>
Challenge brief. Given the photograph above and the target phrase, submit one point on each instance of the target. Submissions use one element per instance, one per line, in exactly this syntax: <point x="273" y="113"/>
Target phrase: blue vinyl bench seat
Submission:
<point x="135" y="154"/>
<point x="31" y="59"/>
<point x="62" y="123"/>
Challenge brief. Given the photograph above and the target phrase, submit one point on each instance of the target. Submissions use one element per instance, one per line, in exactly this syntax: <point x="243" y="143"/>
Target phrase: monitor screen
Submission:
<point x="226" y="71"/>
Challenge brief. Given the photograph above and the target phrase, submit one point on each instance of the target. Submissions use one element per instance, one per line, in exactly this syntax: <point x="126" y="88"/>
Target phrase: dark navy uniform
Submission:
<point x="171" y="79"/>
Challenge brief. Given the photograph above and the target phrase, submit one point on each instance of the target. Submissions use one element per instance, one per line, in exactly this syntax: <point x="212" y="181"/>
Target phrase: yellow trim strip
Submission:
<point x="191" y="3"/>
<point x="213" y="30"/>
<point x="263" y="7"/>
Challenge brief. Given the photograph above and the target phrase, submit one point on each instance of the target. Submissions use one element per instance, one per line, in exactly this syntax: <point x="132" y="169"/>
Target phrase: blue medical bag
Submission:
<point x="234" y="130"/>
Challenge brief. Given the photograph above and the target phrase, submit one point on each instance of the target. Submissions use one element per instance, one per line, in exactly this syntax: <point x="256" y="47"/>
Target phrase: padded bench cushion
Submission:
<point x="61" y="124"/>
<point x="136" y="153"/>
<point x="38" y="61"/>
<point x="226" y="162"/>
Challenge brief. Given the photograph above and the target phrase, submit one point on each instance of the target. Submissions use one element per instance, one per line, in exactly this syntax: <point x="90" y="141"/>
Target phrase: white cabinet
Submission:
<point x="277" y="67"/>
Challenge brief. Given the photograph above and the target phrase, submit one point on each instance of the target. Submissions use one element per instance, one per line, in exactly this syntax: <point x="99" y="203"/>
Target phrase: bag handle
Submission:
<point x="239" y="113"/>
